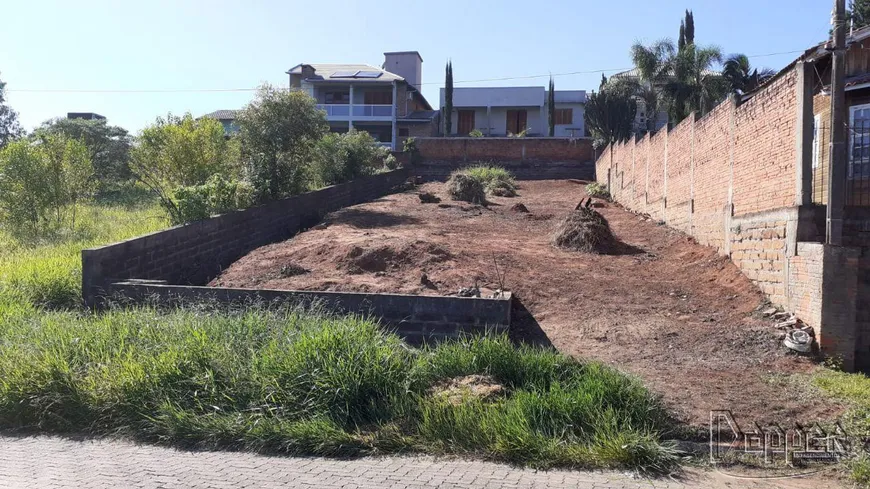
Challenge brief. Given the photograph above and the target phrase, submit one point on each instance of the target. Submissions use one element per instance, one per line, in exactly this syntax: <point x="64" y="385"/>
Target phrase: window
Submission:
<point x="378" y="98"/>
<point x="817" y="128"/>
<point x="337" y="97"/>
<point x="564" y="116"/>
<point x="403" y="132"/>
<point x="859" y="142"/>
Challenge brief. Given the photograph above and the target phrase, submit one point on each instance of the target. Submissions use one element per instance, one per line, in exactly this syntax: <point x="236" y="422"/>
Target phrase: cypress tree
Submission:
<point x="551" y="101"/>
<point x="681" y="42"/>
<point x="448" y="99"/>
<point x="690" y="27"/>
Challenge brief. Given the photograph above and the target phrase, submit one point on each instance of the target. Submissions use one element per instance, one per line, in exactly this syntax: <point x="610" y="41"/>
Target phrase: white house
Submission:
<point x="386" y="102"/>
<point x="501" y="111"/>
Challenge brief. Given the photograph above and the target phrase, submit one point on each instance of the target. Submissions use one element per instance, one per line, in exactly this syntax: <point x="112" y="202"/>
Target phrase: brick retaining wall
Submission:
<point x="197" y="252"/>
<point x="416" y="318"/>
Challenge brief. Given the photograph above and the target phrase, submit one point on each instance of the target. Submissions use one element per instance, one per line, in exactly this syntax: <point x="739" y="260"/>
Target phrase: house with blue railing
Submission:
<point x="384" y="101"/>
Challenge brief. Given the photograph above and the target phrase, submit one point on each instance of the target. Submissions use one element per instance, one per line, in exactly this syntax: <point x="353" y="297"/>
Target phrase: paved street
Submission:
<point x="53" y="463"/>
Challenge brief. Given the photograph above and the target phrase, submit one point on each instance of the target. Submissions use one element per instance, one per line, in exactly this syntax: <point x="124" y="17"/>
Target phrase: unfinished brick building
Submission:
<point x="750" y="179"/>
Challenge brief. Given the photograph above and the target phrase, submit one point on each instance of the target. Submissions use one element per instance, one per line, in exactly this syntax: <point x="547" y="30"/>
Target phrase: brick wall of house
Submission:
<point x="197" y="252"/>
<point x="401" y="100"/>
<point x="657" y="166"/>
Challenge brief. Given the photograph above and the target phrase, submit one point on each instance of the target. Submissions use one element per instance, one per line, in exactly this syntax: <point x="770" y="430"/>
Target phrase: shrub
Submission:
<point x="176" y="154"/>
<point x="42" y="183"/>
<point x="392" y="163"/>
<point x="598" y="191"/>
<point x="476" y="133"/>
<point x="278" y="132"/>
<point x="217" y="196"/>
<point x="495" y="179"/>
<point x="342" y="157"/>
<point x="461" y="186"/>
<point x="584" y="230"/>
<point x="410" y="147"/>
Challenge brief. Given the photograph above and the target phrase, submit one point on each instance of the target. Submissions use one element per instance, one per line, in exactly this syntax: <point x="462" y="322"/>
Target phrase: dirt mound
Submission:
<point x="519" y="207"/>
<point x="463" y="187"/>
<point x="501" y="188"/>
<point x="428" y="198"/>
<point x="458" y="389"/>
<point x="359" y="259"/>
<point x="584" y="230"/>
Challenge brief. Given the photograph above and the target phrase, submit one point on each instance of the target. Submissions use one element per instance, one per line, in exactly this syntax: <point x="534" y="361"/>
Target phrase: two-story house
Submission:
<point x="386" y="102"/>
<point x="502" y="111"/>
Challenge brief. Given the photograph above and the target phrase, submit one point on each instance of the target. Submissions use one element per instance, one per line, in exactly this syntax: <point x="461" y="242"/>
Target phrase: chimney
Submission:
<point x="407" y="64"/>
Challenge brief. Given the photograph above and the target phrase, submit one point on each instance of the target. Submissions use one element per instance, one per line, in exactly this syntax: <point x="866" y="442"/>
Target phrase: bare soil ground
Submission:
<point x="662" y="307"/>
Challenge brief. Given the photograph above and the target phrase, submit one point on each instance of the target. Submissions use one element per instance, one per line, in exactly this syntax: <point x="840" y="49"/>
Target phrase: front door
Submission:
<point x="466" y="122"/>
<point x="516" y="121"/>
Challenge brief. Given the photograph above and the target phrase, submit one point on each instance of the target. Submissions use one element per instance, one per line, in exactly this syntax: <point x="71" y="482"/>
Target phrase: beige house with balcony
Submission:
<point x="386" y="102"/>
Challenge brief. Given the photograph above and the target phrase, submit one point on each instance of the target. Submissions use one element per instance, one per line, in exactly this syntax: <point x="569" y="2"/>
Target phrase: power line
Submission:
<point x="217" y="90"/>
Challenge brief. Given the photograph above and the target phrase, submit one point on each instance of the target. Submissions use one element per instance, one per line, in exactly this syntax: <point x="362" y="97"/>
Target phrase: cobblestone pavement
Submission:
<point x="54" y="463"/>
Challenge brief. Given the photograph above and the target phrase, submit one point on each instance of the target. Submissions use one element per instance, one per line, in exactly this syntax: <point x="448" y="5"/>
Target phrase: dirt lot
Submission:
<point x="664" y="307"/>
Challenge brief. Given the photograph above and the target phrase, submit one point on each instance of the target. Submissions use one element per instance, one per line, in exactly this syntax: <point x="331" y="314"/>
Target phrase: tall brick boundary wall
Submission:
<point x="195" y="253"/>
<point x="416" y="318"/>
<point x="856" y="232"/>
<point x="527" y="158"/>
<point x="739" y="179"/>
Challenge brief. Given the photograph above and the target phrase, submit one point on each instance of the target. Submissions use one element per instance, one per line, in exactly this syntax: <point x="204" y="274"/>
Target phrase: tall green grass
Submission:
<point x="495" y="179"/>
<point x="45" y="271"/>
<point x="293" y="381"/>
<point x="855" y="390"/>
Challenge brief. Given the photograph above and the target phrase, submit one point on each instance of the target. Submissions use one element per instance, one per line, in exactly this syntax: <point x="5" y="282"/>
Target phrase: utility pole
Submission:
<point x="837" y="164"/>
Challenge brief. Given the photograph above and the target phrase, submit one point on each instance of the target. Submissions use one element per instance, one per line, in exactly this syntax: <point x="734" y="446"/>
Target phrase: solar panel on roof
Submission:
<point x="367" y="74"/>
<point x="343" y="74"/>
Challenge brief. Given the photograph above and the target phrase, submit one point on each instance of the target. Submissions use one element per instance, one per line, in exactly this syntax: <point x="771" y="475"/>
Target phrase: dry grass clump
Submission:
<point x="463" y="187"/>
<point x="584" y="230"/>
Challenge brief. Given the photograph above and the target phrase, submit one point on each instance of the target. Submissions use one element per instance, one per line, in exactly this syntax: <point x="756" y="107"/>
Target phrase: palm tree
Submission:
<point x="695" y="86"/>
<point x="741" y="77"/>
<point x="654" y="64"/>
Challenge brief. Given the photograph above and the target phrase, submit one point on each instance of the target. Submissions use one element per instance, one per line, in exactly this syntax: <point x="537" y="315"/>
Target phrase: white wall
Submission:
<point x="562" y="130"/>
<point x="496" y="125"/>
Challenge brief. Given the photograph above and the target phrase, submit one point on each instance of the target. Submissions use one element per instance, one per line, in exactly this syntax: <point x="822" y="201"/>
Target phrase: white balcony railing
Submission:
<point x="335" y="110"/>
<point x="373" y="110"/>
<point x="365" y="110"/>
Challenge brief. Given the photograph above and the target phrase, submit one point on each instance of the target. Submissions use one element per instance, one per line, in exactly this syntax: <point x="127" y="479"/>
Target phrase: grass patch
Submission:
<point x="299" y="382"/>
<point x="855" y="390"/>
<point x="598" y="191"/>
<point x="45" y="271"/>
<point x="495" y="179"/>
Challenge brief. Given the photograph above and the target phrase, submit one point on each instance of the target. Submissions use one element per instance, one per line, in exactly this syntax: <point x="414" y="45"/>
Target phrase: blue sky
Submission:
<point x="157" y="45"/>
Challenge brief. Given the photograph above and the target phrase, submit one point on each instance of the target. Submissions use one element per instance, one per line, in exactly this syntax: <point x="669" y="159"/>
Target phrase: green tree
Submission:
<point x="551" y="101"/>
<point x="694" y="86"/>
<point x="42" y="182"/>
<point x="278" y="130"/>
<point x="740" y="75"/>
<point x="448" y="99"/>
<point x="182" y="152"/>
<point x="108" y="146"/>
<point x="609" y="116"/>
<point x="9" y="127"/>
<point x="681" y="41"/>
<point x="342" y="157"/>
<point x="859" y="13"/>
<point x="690" y="27"/>
<point x="654" y="64"/>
